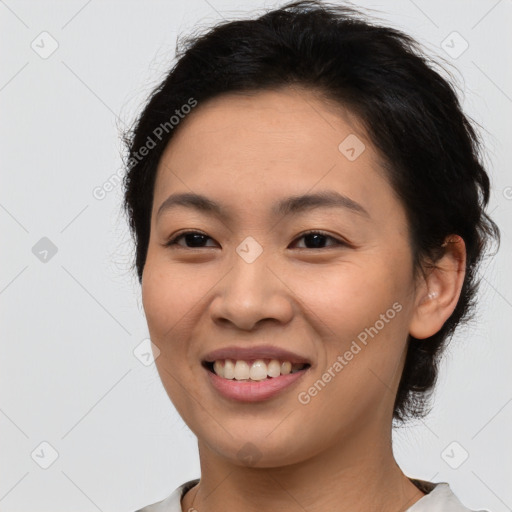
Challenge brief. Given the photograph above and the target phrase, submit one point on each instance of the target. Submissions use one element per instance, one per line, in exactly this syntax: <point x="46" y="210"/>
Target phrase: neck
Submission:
<point x="358" y="475"/>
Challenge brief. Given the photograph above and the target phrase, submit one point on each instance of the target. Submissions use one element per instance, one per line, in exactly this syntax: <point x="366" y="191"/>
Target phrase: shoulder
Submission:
<point x="173" y="502"/>
<point x="440" y="498"/>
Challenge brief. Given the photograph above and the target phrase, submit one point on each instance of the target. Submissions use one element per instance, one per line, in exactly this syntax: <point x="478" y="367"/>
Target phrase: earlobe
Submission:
<point x="439" y="292"/>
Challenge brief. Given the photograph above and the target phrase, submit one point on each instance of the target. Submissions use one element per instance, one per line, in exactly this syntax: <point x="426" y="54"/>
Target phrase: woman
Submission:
<point x="308" y="203"/>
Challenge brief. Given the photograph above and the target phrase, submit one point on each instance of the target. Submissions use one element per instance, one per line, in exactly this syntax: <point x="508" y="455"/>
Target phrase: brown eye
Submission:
<point x="193" y="239"/>
<point x="316" y="239"/>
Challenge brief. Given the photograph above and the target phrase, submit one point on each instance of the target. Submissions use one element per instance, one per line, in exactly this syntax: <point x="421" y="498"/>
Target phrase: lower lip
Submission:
<point x="253" y="391"/>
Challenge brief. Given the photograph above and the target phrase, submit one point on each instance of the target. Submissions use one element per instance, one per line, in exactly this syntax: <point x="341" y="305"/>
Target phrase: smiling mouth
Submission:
<point x="252" y="370"/>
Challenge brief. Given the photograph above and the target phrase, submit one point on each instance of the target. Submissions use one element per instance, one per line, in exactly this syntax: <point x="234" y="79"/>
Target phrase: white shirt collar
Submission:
<point x="439" y="499"/>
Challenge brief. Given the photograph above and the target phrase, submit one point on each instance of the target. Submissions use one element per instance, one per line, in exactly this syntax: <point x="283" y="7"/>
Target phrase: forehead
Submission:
<point x="283" y="119"/>
<point x="250" y="147"/>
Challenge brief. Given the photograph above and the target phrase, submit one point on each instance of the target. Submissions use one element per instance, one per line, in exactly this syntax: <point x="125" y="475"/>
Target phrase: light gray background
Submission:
<point x="70" y="325"/>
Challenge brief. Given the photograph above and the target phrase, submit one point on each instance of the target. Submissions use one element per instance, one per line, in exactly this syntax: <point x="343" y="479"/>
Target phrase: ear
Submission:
<point x="438" y="293"/>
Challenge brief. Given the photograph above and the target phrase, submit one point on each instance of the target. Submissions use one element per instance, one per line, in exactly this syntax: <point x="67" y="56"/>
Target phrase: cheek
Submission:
<point x="363" y="308"/>
<point x="170" y="294"/>
<point x="352" y="296"/>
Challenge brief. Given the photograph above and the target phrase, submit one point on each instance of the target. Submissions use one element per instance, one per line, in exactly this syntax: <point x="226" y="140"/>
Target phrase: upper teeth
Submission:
<point x="257" y="370"/>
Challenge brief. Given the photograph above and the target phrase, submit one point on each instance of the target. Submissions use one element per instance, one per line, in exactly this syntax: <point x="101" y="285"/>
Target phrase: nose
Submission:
<point x="252" y="293"/>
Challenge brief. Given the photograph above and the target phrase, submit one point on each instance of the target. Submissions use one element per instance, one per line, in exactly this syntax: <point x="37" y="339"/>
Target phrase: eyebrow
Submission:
<point x="292" y="204"/>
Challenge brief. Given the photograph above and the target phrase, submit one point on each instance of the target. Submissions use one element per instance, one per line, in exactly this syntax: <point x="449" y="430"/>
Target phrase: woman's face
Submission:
<point x="341" y="300"/>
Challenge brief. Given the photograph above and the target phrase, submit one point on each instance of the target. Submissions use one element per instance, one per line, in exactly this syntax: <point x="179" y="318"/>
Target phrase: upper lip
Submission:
<point x="256" y="352"/>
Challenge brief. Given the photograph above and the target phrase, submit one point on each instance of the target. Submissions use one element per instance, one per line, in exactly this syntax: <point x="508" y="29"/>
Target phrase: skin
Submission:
<point x="247" y="151"/>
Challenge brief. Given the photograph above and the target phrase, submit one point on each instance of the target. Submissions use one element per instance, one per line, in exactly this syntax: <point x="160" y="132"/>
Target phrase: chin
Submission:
<point x="254" y="449"/>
